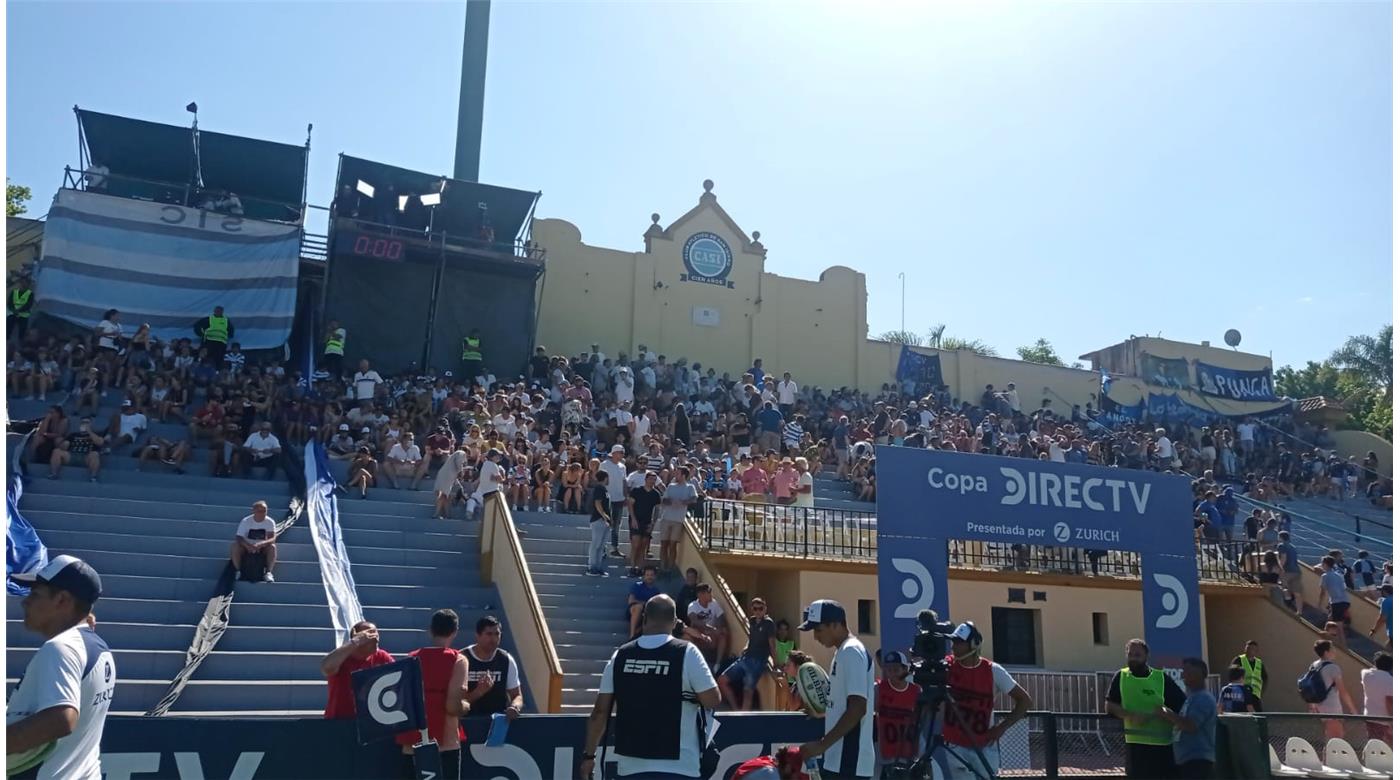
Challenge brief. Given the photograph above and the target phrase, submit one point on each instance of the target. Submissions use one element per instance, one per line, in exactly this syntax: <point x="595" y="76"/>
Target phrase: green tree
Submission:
<point x="935" y="335"/>
<point x="15" y="197"/>
<point x="1040" y="352"/>
<point x="906" y="337"/>
<point x="1311" y="380"/>
<point x="1370" y="359"/>
<point x="976" y="346"/>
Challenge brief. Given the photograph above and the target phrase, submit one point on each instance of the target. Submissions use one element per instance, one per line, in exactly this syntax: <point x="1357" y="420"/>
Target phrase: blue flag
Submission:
<point x="388" y="700"/>
<point x="23" y="551"/>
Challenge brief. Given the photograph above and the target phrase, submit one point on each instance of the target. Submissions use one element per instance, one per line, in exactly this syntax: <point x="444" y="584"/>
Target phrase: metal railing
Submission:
<point x="789" y="531"/>
<point x="185" y="194"/>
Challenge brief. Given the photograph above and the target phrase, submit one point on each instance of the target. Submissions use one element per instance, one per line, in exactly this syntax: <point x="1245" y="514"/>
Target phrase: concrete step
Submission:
<point x="219" y="665"/>
<point x="196" y="489"/>
<point x="290" y="573"/>
<point x="127" y="636"/>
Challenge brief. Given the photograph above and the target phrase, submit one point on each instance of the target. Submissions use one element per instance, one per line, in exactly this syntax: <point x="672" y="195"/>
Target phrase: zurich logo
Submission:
<point x="1061" y="532"/>
<point x="707" y="257"/>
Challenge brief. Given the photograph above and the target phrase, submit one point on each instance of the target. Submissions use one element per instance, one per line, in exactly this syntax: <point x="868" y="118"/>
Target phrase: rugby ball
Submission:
<point x="814" y="688"/>
<point x="16" y="763"/>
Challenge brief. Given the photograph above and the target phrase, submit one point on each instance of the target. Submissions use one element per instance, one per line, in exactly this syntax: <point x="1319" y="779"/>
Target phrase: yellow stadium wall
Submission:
<point x="1358" y="443"/>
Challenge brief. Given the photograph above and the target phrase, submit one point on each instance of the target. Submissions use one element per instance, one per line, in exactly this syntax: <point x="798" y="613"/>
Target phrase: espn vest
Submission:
<point x="471" y="348"/>
<point x="20" y="301"/>
<point x="1145" y="695"/>
<point x="496" y="700"/>
<point x="1253" y="673"/>
<point x="436" y="663"/>
<point x="217" y="330"/>
<point x="974" y="692"/>
<point x="897" y="720"/>
<point x="647" y="689"/>
<point x="335" y="345"/>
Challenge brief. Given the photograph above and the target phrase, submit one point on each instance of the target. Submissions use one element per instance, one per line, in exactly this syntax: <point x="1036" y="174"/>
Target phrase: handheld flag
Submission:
<point x="388" y="700"/>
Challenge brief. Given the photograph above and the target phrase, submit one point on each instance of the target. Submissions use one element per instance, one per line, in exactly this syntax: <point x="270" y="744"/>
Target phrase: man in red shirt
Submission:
<point x="444" y="696"/>
<point x="896" y="712"/>
<point x="361" y="652"/>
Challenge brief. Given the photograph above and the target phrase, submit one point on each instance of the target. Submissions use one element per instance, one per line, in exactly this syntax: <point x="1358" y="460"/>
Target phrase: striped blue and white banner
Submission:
<point x="168" y="266"/>
<point x="323" y="516"/>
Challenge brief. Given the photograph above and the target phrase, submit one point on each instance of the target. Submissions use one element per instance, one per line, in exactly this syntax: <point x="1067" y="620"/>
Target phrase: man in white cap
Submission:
<point x="847" y="749"/>
<point x="67" y="688"/>
<point x="616" y="467"/>
<point x="975" y="683"/>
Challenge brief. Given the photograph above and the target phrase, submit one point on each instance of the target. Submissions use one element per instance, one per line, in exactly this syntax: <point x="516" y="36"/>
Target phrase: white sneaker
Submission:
<point x="267" y="577"/>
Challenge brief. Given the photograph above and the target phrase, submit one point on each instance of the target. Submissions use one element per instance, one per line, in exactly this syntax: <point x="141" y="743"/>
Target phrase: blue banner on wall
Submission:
<point x="1171" y="409"/>
<point x="920" y="368"/>
<point x="1235" y="385"/>
<point x="539" y="746"/>
<point x="928" y="497"/>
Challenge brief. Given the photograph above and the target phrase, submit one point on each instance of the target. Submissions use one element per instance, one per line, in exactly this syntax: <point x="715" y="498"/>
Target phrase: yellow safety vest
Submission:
<point x="1253" y="674"/>
<point x="19" y="302"/>
<point x="1145" y="695"/>
<point x="335" y="345"/>
<point x="217" y="330"/>
<point x="471" y="348"/>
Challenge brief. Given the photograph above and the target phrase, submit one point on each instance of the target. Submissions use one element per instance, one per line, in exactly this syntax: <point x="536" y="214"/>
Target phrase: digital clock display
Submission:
<point x="377" y="246"/>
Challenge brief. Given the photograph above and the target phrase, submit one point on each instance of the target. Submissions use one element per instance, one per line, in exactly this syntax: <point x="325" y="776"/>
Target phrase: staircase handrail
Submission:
<point x="503" y="564"/>
<point x="1356" y="534"/>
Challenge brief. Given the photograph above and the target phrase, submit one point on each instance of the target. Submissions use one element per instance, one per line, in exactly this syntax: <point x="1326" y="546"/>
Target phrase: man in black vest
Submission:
<point x="659" y="684"/>
<point x="493" y="677"/>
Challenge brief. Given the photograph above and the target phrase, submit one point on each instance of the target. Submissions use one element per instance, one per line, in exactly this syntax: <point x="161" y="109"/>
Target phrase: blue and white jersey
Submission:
<point x="73" y="669"/>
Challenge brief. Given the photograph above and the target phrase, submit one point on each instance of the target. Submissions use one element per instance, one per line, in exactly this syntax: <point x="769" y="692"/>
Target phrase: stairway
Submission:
<point x="160" y="541"/>
<point x="585" y="614"/>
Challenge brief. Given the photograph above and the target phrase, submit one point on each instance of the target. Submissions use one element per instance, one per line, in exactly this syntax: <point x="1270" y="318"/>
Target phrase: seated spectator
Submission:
<point x="637" y="596"/>
<point x="436" y="449"/>
<point x="85" y="443"/>
<point x="739" y="681"/>
<point x="129" y="425"/>
<point x="256" y="536"/>
<point x="342" y="444"/>
<point x="361" y="652"/>
<point x="171" y="453"/>
<point x="706" y="627"/>
<point x="403" y="460"/>
<point x="52" y="429"/>
<point x="262" y="450"/>
<point x="362" y="471"/>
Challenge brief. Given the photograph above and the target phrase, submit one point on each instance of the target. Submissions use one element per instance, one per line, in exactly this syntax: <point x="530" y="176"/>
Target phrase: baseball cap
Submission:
<point x="895" y="657"/>
<point x="617" y="448"/>
<point x="126" y="403"/>
<point x="66" y="572"/>
<point x="344" y="427"/>
<point x="966" y="632"/>
<point x="822" y="611"/>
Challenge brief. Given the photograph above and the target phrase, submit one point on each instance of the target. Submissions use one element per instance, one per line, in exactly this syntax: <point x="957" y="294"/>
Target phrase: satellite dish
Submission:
<point x="1232" y="337"/>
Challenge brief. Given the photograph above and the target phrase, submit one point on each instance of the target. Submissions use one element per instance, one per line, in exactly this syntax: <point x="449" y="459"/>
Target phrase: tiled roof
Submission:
<point x="1318" y="403"/>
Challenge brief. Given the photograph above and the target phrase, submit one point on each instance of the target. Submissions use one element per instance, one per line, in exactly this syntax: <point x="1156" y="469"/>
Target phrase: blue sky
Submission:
<point x="1080" y="172"/>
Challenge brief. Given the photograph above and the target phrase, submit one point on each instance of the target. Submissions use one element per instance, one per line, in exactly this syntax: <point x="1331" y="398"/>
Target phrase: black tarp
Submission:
<point x="263" y="173"/>
<point x="383" y="307"/>
<point x="460" y="212"/>
<point x="497" y="300"/>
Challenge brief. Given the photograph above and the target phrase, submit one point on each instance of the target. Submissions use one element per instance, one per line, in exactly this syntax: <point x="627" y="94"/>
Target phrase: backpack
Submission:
<point x="1312" y="687"/>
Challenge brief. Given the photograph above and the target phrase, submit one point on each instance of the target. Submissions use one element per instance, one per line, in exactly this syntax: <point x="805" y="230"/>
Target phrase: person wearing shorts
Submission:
<point x="675" y="502"/>
<point x="642" y="503"/>
<point x="740" y="679"/>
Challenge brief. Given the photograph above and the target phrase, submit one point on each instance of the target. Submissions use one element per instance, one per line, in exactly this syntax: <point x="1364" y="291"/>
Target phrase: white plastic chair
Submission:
<point x="1341" y="756"/>
<point x="1376" y="756"/>
<point x="1277" y="769"/>
<point x="1300" y="754"/>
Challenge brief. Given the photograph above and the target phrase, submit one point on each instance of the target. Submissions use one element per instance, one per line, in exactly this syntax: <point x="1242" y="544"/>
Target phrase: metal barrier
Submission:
<point x="185" y="194"/>
<point x="850" y="535"/>
<point x="513" y="249"/>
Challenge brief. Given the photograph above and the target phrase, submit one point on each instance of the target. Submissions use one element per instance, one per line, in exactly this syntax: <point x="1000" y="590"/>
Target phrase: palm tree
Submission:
<point x="935" y="335"/>
<point x="908" y="338"/>
<point x="1369" y="357"/>
<point x="976" y="346"/>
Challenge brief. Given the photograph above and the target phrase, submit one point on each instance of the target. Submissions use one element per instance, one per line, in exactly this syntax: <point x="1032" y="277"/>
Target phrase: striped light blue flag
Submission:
<point x="323" y="516"/>
<point x="168" y="266"/>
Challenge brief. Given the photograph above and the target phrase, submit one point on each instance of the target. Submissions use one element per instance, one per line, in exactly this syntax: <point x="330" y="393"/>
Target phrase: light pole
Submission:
<point x="901" y="303"/>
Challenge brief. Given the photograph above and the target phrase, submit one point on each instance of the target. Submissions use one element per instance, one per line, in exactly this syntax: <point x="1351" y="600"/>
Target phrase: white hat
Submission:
<point x="616" y="448"/>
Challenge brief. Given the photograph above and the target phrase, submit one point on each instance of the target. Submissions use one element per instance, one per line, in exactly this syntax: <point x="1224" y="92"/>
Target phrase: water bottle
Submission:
<point x="813" y="768"/>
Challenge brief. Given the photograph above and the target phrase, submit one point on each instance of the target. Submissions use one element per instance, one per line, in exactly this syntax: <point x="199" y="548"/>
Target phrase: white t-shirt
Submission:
<point x="1376" y="687"/>
<point x="1246" y="431"/>
<point x="365" y="382"/>
<point x="1164" y="448"/>
<point x="486" y="479"/>
<point x="805" y="480"/>
<point x="261" y="445"/>
<point x="697" y="679"/>
<point x="107" y="331"/>
<point x="787" y="392"/>
<point x="711" y="614"/>
<point x="617" y="479"/>
<point x="411" y="453"/>
<point x="73" y="669"/>
<point x="250" y="524"/>
<point x="852" y="674"/>
<point x="131" y="424"/>
<point x="512" y="680"/>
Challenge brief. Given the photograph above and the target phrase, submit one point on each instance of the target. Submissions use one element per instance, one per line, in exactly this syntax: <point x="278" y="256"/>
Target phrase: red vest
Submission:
<point x="897" y="720"/>
<point x="973" y="691"/>
<point x="436" y="663"/>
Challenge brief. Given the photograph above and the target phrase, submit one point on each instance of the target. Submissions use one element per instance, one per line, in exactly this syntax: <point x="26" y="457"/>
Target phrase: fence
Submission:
<point x="842" y="534"/>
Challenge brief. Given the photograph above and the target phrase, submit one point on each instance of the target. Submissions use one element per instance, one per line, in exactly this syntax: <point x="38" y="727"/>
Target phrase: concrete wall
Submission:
<point x="1122" y="358"/>
<point x="1358" y="443"/>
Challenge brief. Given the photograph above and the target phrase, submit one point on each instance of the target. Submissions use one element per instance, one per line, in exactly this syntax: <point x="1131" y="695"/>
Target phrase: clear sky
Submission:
<point x="1079" y="172"/>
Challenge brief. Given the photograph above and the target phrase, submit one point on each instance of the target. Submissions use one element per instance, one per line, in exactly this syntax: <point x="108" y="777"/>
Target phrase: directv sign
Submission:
<point x="930" y="497"/>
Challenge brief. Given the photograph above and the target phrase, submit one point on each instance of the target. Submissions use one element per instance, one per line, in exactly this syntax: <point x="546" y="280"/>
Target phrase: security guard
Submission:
<point x="471" y="356"/>
<point x="19" y="308"/>
<point x="1136" y="696"/>
<point x="659" y="685"/>
<point x="1255" y="675"/>
<point x="214" y="332"/>
<point x="334" y="353"/>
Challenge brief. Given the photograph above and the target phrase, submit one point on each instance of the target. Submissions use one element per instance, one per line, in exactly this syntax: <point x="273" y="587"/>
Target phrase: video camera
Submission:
<point x="931" y="648"/>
